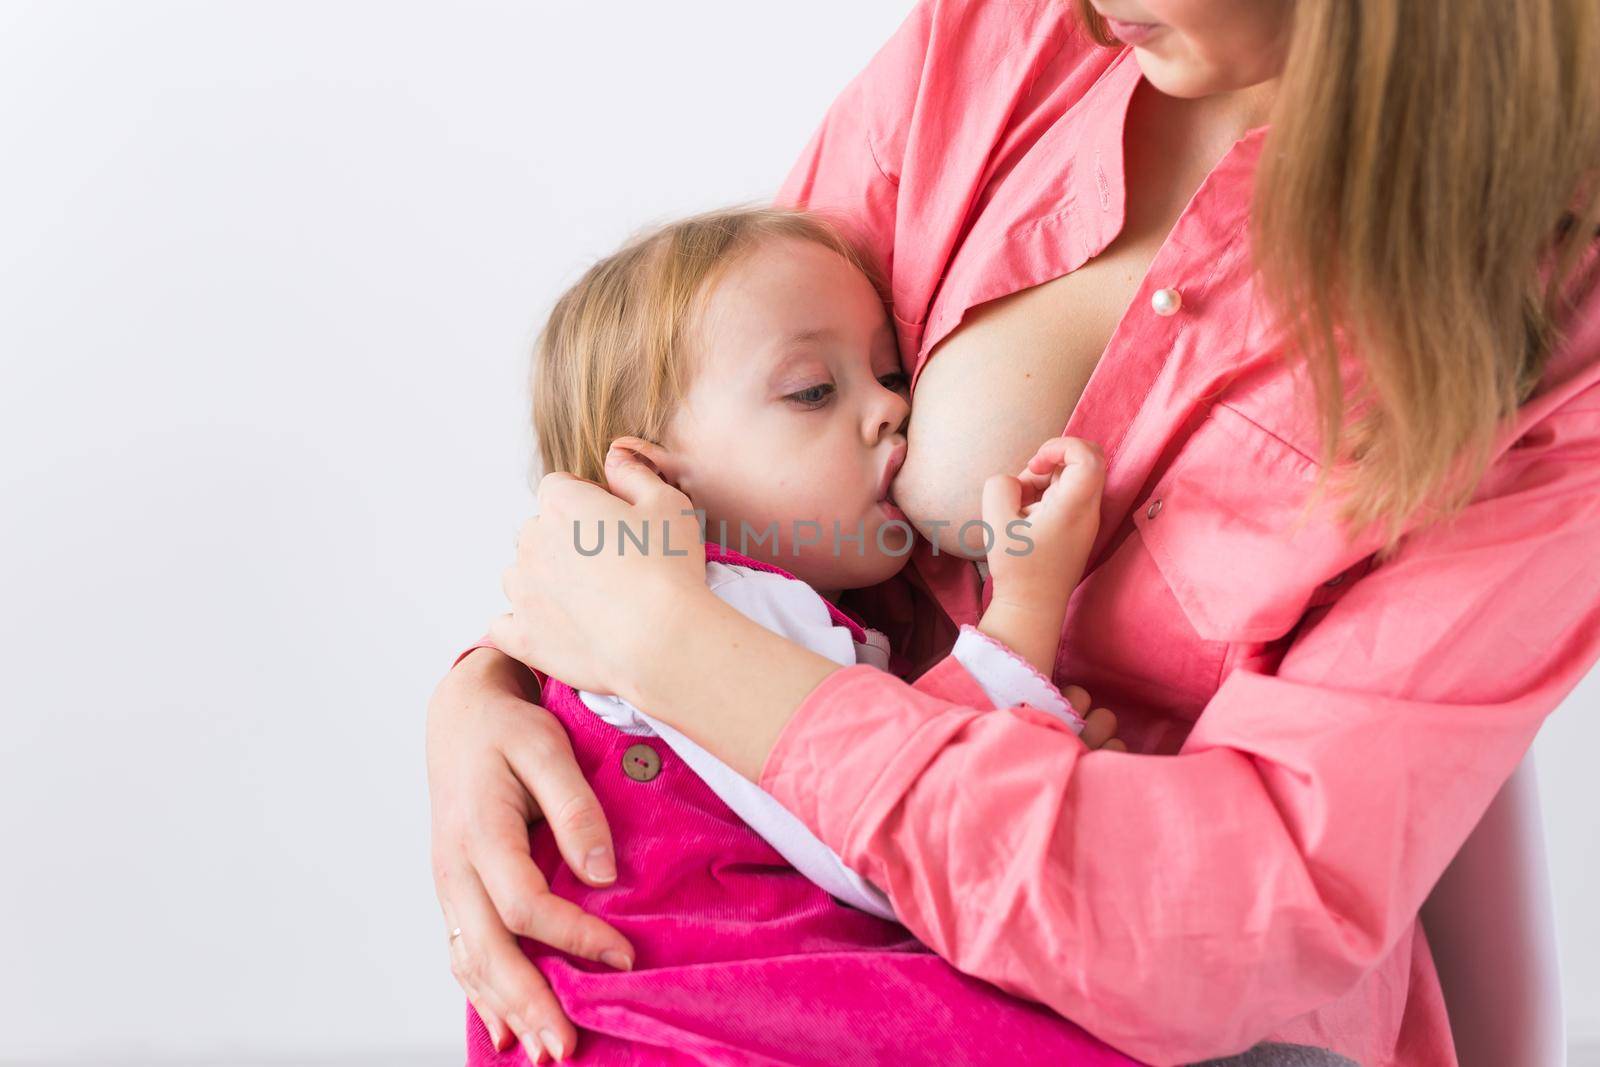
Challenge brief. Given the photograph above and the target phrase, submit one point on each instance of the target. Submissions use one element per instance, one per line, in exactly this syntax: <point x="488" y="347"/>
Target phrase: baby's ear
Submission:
<point x="659" y="458"/>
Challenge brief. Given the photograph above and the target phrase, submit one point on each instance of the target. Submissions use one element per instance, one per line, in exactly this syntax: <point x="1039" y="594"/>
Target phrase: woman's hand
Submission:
<point x="594" y="618"/>
<point x="488" y="747"/>
<point x="1099" y="724"/>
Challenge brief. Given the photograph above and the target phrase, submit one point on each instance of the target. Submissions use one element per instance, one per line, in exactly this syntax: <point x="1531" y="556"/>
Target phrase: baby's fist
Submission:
<point x="1057" y="496"/>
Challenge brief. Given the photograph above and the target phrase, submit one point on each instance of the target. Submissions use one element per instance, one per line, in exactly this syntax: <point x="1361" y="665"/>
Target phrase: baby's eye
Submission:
<point x="813" y="395"/>
<point x="897" y="381"/>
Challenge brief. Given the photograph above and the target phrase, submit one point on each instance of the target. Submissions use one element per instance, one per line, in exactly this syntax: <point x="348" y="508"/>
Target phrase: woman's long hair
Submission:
<point x="1425" y="196"/>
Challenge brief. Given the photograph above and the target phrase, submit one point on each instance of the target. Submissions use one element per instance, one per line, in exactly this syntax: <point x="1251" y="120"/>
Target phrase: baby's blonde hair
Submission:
<point x="611" y="360"/>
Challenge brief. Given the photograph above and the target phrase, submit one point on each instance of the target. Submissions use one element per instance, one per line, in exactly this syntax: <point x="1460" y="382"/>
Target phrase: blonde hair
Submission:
<point x="1425" y="196"/>
<point x="613" y="360"/>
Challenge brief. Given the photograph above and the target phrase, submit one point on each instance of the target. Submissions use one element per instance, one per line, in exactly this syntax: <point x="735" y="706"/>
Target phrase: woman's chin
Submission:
<point x="1177" y="77"/>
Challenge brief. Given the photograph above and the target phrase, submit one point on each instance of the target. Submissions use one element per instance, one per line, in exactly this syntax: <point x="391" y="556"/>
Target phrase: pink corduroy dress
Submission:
<point x="740" y="958"/>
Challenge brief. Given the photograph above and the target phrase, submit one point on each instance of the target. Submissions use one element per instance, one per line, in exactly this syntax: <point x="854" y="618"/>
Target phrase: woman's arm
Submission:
<point x="485" y="740"/>
<point x="1185" y="907"/>
<point x="480" y="713"/>
<point x="676" y="649"/>
<point x="1177" y="907"/>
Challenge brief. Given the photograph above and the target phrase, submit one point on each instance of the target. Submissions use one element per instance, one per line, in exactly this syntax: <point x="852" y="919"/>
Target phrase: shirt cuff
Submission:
<point x="1009" y="680"/>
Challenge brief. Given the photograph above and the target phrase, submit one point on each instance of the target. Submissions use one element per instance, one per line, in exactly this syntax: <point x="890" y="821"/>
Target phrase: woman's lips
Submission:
<point x="1133" y="33"/>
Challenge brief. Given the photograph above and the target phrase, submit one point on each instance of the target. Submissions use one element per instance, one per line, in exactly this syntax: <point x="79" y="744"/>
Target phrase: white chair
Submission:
<point x="1491" y="928"/>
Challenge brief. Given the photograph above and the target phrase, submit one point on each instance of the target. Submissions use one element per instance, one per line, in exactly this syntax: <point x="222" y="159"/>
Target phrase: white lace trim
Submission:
<point x="1008" y="679"/>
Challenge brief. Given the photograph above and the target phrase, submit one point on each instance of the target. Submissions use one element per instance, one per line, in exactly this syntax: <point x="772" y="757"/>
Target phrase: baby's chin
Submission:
<point x="848" y="570"/>
<point x="878" y="552"/>
<point x="881" y="551"/>
<point x="849" y="567"/>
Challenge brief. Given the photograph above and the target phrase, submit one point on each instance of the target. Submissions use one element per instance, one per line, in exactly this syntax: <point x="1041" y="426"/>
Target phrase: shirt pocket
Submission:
<point x="1222" y="527"/>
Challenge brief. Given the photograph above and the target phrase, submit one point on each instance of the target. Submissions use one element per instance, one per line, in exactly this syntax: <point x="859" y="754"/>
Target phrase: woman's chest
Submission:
<point x="1037" y="294"/>
<point x="1028" y="357"/>
<point x="1213" y="565"/>
<point x="1051" y="316"/>
<point x="1203" y="563"/>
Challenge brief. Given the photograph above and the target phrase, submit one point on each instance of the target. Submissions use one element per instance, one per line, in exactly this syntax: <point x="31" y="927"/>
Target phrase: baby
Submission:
<point x="747" y="356"/>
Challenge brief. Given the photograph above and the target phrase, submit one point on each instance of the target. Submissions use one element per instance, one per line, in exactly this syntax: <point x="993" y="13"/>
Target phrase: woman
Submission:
<point x="1321" y="690"/>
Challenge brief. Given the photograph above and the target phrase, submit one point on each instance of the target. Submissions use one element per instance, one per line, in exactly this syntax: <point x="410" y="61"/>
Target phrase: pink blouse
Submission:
<point x="1313" y="736"/>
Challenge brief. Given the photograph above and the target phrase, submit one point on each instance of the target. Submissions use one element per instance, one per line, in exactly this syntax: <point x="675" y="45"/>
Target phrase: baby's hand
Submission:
<point x="1036" y="566"/>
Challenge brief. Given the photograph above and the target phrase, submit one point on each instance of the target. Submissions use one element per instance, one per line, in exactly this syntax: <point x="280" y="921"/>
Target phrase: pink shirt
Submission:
<point x="1314" y="736"/>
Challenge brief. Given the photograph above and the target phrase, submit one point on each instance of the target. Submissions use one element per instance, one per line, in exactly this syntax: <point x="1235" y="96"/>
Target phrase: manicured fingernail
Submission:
<point x="601" y="865"/>
<point x="615" y="957"/>
<point x="551" y="1042"/>
<point x="531" y="1047"/>
<point x="512" y="1035"/>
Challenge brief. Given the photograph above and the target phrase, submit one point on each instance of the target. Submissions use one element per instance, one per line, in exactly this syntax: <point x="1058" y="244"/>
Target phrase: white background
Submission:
<point x="270" y="272"/>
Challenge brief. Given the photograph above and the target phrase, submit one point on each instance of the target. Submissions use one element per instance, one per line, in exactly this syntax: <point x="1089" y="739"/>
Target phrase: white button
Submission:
<point x="1166" y="301"/>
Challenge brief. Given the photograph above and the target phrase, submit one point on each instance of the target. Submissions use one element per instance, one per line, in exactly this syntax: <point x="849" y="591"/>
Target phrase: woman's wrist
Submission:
<point x="491" y="667"/>
<point x="647" y="642"/>
<point x="726" y="681"/>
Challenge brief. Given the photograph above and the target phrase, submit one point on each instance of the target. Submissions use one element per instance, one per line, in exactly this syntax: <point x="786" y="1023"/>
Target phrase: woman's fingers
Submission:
<point x="490" y="966"/>
<point x="522" y="897"/>
<point x="632" y="476"/>
<point x="1099" y="726"/>
<point x="541" y="757"/>
<point x="561" y="924"/>
<point x="504" y="632"/>
<point x="480" y="804"/>
<point x="500" y="1034"/>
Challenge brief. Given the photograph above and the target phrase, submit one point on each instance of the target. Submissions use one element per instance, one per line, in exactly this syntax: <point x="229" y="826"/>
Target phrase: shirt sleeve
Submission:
<point x="1186" y="906"/>
<point x="849" y="169"/>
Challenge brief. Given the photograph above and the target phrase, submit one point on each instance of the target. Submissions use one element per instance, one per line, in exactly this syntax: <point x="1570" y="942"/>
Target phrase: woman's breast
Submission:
<point x="1209" y="566"/>
<point x="1003" y="382"/>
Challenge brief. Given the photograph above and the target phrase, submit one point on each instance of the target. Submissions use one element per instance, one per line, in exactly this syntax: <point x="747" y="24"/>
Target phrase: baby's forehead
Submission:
<point x="780" y="302"/>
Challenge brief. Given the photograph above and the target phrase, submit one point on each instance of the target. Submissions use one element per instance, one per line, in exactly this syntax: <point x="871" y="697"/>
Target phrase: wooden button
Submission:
<point x="641" y="762"/>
